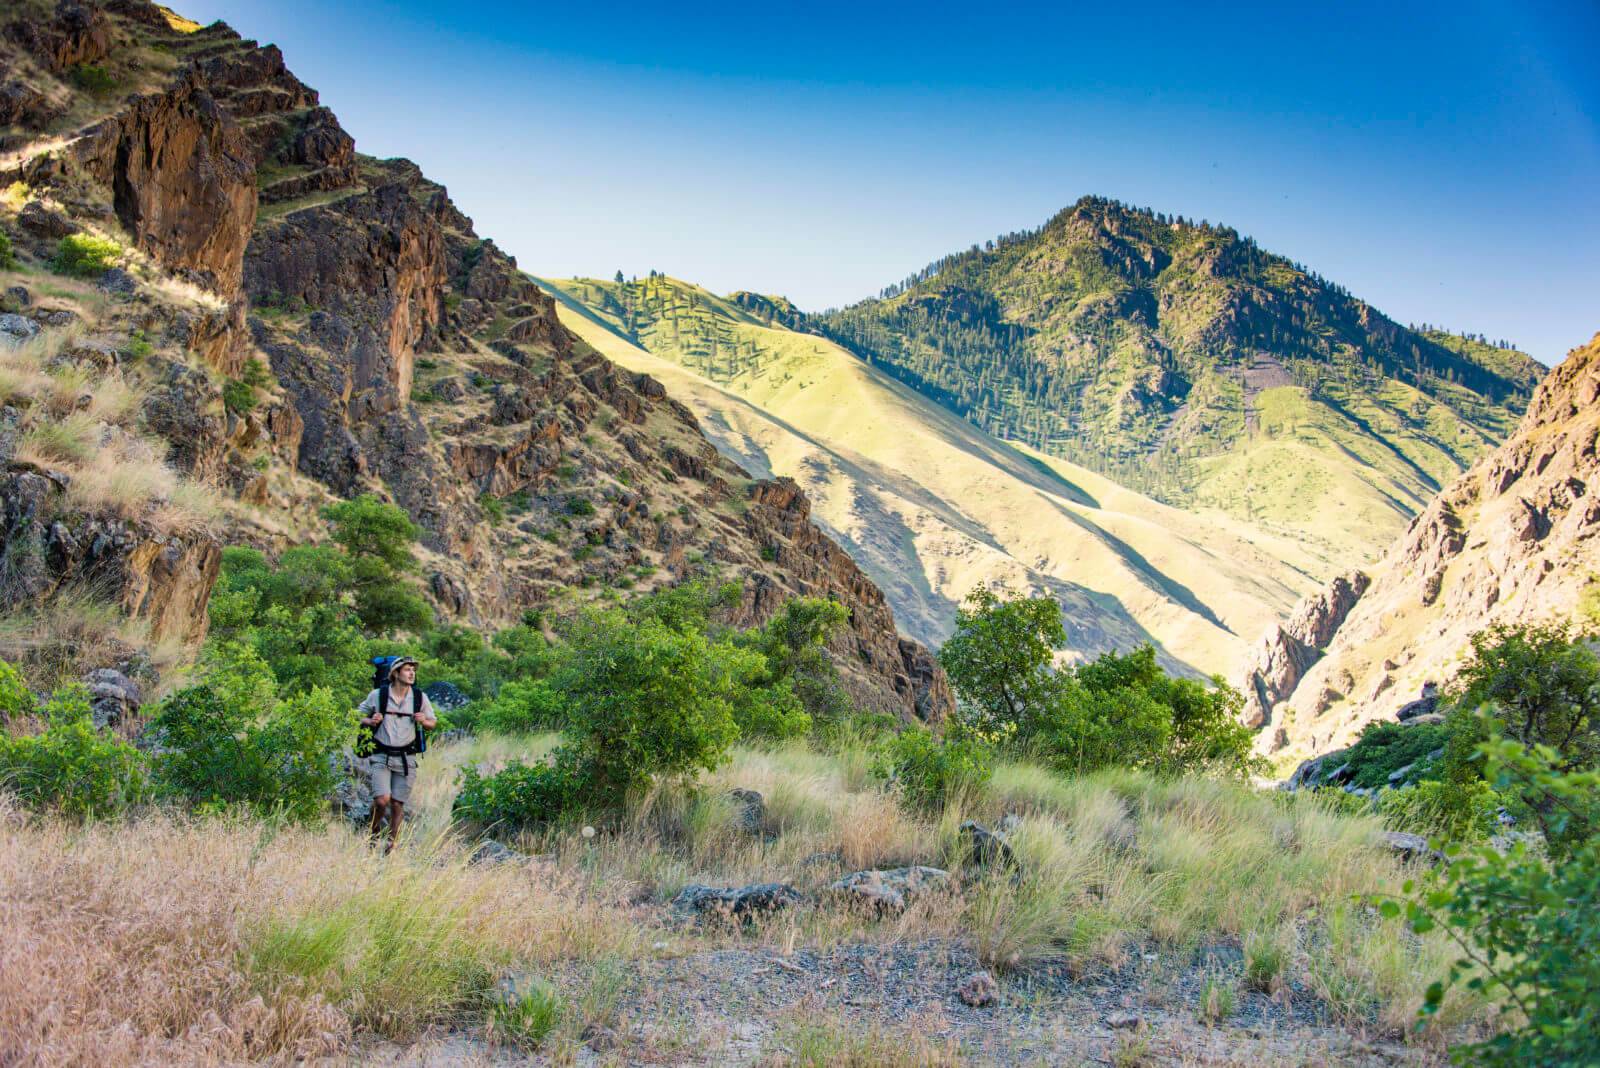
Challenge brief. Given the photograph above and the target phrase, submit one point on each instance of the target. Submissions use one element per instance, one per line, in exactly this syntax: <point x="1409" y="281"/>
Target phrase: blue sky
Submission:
<point x="1441" y="161"/>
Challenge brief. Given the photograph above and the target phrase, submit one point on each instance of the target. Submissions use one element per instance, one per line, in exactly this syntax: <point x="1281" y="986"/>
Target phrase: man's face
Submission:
<point x="406" y="673"/>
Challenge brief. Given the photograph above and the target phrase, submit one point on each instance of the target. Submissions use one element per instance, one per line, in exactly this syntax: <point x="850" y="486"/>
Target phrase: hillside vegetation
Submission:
<point x="929" y="504"/>
<point x="1184" y="361"/>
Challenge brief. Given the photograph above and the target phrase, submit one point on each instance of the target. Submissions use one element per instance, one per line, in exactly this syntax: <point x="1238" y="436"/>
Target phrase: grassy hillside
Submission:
<point x="929" y="504"/>
<point x="1185" y="361"/>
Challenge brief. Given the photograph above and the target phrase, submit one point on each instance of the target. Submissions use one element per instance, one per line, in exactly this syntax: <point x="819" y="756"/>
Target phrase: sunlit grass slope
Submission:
<point x="929" y="504"/>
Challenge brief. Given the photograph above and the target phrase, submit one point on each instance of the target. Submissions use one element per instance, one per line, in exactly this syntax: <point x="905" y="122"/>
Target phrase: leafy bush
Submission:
<point x="1118" y="710"/>
<point x="929" y="771"/>
<point x="580" y="505"/>
<point x="232" y="739"/>
<point x="85" y="255"/>
<point x="8" y="258"/>
<point x="72" y="767"/>
<point x="1527" y="923"/>
<point x="1386" y="747"/>
<point x="15" y="697"/>
<point x="377" y="538"/>
<point x="238" y="397"/>
<point x="1449" y="811"/>
<point x="533" y="705"/>
<point x="92" y="78"/>
<point x="494" y="508"/>
<point x="1543" y="686"/>
<point x="643" y="701"/>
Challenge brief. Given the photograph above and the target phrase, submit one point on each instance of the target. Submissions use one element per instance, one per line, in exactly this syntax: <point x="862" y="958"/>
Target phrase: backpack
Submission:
<point x="380" y="681"/>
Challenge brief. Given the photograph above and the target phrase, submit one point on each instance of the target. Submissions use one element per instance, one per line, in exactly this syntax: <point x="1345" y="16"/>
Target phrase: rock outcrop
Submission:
<point x="389" y="348"/>
<point x="1516" y="539"/>
<point x="1289" y="649"/>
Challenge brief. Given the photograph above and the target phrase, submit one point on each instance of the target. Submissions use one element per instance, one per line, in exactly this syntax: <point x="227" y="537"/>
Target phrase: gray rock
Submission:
<point x="491" y="852"/>
<point x="117" y="282"/>
<point x="446" y="696"/>
<point x="742" y="903"/>
<point x="20" y="295"/>
<point x="16" y="331"/>
<point x="891" y="890"/>
<point x="352" y="798"/>
<point x="978" y="989"/>
<point x="113" y="697"/>
<point x="42" y="222"/>
<point x="1008" y="824"/>
<point x="1399" y="774"/>
<point x="985" y="847"/>
<point x="1123" y="1021"/>
<point x="1409" y="846"/>
<point x="750" y="811"/>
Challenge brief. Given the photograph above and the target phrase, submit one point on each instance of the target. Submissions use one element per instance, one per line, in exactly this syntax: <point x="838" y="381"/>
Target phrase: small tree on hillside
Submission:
<point x="999" y="658"/>
<point x="378" y="538"/>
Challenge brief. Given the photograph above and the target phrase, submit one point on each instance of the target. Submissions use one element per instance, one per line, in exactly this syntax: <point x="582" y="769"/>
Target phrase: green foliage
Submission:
<point x="494" y="509"/>
<point x="1527" y="923"/>
<point x="1589" y="604"/>
<point x="238" y="397"/>
<point x="580" y="505"/>
<point x="1449" y="811"/>
<point x="1386" y="746"/>
<point x="138" y="346"/>
<point x="999" y="659"/>
<point x="519" y="795"/>
<point x="235" y="739"/>
<point x="71" y="767"/>
<point x="1543" y="686"/>
<point x="377" y="538"/>
<point x="92" y="78"/>
<point x="526" y="1017"/>
<point x="15" y="697"/>
<point x="1120" y="710"/>
<point x="531" y="705"/>
<point x="930" y="771"/>
<point x="8" y="258"/>
<point x="85" y="255"/>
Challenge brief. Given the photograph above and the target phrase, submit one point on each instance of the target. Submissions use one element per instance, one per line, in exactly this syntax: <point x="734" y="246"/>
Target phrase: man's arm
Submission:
<point x="372" y="715"/>
<point x="425" y="713"/>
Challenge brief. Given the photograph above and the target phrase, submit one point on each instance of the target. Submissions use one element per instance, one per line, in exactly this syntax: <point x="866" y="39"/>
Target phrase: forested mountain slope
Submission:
<point x="929" y="504"/>
<point x="1184" y="361"/>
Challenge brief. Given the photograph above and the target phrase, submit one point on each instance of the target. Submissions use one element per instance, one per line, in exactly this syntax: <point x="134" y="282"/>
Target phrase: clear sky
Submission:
<point x="1441" y="160"/>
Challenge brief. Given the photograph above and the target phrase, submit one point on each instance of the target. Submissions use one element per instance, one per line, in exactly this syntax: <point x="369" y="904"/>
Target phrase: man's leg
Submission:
<point x="378" y="770"/>
<point x="380" y="811"/>
<point x="397" y="812"/>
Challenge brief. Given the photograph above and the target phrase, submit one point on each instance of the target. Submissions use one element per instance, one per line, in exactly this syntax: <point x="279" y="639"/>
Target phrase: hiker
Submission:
<point x="397" y="712"/>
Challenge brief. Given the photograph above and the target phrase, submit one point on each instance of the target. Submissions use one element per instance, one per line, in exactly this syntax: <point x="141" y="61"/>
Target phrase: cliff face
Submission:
<point x="407" y="356"/>
<point x="1515" y="539"/>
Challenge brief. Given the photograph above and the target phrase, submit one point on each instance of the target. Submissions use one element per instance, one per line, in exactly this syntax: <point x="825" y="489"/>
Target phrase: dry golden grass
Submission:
<point x="231" y="939"/>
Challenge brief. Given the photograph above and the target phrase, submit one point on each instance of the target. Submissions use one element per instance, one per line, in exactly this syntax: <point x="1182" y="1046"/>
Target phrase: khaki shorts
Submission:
<point x="391" y="776"/>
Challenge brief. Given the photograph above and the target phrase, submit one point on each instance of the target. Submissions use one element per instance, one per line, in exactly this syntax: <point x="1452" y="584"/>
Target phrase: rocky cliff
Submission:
<point x="373" y="342"/>
<point x="1515" y="539"/>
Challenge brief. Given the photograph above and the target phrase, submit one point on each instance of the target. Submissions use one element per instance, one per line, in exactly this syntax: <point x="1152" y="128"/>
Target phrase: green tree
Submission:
<point x="999" y="658"/>
<point x="1543" y="686"/>
<point x="71" y="766"/>
<point x="377" y="537"/>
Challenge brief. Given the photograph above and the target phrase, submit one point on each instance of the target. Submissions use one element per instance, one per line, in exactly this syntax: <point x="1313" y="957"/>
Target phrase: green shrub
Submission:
<point x="1449" y="811"/>
<point x="138" y="346"/>
<point x="238" y="397"/>
<point x="1542" y="685"/>
<point x="85" y="255"/>
<point x="1527" y="922"/>
<point x="72" y="767"/>
<point x="232" y="739"/>
<point x="519" y="795"/>
<point x="8" y="258"/>
<point x="526" y="1016"/>
<point x="494" y="508"/>
<point x="929" y="771"/>
<point x="15" y="697"/>
<point x="92" y="78"/>
<point x="579" y="505"/>
<point x="377" y="537"/>
<point x="523" y="706"/>
<point x="1386" y="747"/>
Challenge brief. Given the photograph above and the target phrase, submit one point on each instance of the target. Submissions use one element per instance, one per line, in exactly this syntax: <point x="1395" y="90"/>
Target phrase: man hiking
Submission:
<point x="394" y="711"/>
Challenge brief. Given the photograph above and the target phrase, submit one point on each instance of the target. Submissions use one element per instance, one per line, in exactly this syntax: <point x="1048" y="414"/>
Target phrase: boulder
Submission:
<point x="985" y="847"/>
<point x="978" y="989"/>
<point x="491" y="852"/>
<point x="113" y="697"/>
<point x="446" y="696"/>
<point x="44" y="223"/>
<point x="1409" y="846"/>
<point x="16" y="331"/>
<point x="750" y="811"/>
<point x="891" y="890"/>
<point x="352" y="797"/>
<point x="741" y="903"/>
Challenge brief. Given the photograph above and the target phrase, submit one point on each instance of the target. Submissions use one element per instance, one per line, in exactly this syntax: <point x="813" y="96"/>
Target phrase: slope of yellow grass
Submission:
<point x="931" y="506"/>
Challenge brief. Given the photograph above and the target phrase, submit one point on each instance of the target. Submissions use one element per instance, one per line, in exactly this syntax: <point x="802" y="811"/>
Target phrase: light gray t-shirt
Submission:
<point x="396" y="730"/>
